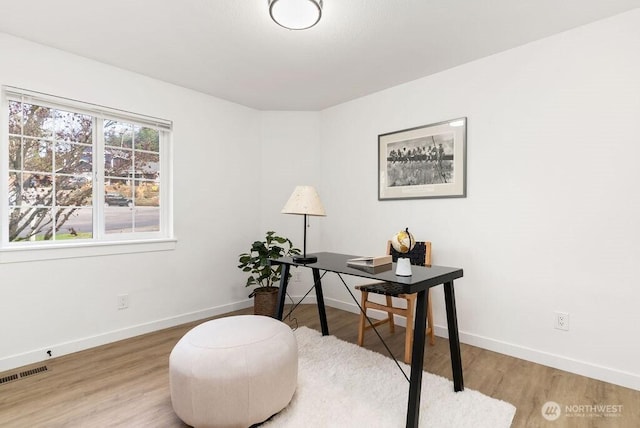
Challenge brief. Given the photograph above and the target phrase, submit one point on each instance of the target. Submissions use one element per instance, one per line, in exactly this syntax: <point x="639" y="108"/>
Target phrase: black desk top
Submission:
<point x="422" y="277"/>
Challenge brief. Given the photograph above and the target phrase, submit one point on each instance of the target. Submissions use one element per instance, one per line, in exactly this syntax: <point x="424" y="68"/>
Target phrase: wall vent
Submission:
<point x="23" y="374"/>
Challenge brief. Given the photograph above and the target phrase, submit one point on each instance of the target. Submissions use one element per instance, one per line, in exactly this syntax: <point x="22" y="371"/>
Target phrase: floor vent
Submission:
<point x="25" y="373"/>
<point x="8" y="378"/>
<point x="33" y="371"/>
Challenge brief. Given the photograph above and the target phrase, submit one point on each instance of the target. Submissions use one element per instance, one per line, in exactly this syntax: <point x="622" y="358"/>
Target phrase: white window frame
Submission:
<point x="101" y="243"/>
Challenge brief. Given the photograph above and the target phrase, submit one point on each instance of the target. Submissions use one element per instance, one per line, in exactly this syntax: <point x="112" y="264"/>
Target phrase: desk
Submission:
<point x="421" y="280"/>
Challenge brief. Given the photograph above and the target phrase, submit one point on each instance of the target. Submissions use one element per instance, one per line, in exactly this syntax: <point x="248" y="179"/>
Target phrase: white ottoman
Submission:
<point x="233" y="372"/>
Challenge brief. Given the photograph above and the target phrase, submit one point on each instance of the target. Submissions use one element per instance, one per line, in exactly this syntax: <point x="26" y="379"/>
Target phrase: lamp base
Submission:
<point x="307" y="259"/>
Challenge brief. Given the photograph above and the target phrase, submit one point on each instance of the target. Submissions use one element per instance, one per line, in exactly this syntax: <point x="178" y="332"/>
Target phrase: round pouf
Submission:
<point x="233" y="372"/>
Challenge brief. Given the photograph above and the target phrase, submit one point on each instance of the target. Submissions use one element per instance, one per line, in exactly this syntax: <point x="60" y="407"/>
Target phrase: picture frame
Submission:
<point x="427" y="161"/>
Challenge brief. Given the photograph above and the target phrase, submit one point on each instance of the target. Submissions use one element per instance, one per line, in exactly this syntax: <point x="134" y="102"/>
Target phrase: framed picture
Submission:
<point x="425" y="162"/>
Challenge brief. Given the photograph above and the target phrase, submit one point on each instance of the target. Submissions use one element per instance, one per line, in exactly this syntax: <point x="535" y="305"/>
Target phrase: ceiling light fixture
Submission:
<point x="295" y="14"/>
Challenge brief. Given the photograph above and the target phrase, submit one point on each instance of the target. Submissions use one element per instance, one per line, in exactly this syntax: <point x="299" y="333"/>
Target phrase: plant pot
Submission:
<point x="265" y="301"/>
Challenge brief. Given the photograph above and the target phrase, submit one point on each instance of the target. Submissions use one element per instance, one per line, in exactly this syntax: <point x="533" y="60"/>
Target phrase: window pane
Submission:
<point x="73" y="191"/>
<point x="147" y="194"/>
<point x="147" y="165"/>
<point x="73" y="223"/>
<point x="146" y="139"/>
<point x="37" y="155"/>
<point x="118" y="219"/>
<point x="117" y="162"/>
<point x="147" y="219"/>
<point x="15" y="153"/>
<point x="14" y="188"/>
<point x="38" y="121"/>
<point x="30" y="224"/>
<point x="37" y="189"/>
<point x="73" y="127"/>
<point x="15" y="117"/>
<point x="73" y="158"/>
<point x="147" y="202"/>
<point x="117" y="134"/>
<point x="118" y="188"/>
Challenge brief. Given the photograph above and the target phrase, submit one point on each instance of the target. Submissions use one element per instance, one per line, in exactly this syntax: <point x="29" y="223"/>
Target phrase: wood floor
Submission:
<point x="125" y="384"/>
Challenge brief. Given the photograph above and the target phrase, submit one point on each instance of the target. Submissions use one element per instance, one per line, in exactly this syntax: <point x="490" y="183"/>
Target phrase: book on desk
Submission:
<point x="370" y="261"/>
<point x="373" y="270"/>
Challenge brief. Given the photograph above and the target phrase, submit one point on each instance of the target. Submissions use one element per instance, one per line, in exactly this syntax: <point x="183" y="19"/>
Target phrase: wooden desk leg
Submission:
<point x="454" y="339"/>
<point x="282" y="291"/>
<point x="317" y="284"/>
<point x="417" y="359"/>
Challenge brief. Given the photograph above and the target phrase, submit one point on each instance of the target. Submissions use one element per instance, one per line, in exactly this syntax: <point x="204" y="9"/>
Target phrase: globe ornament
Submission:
<point x="403" y="241"/>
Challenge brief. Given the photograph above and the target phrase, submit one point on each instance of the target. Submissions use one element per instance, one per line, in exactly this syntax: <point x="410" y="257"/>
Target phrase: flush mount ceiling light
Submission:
<point x="295" y="14"/>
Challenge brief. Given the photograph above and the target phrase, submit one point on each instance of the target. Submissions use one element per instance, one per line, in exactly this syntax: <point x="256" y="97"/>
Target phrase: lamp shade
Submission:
<point x="295" y="14"/>
<point x="304" y="200"/>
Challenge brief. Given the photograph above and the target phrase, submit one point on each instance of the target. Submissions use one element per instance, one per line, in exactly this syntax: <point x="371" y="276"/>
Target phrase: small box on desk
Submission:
<point x="370" y="261"/>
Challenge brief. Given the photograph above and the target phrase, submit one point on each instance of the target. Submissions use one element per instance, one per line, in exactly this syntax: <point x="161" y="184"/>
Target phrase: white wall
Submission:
<point x="66" y="305"/>
<point x="550" y="222"/>
<point x="290" y="157"/>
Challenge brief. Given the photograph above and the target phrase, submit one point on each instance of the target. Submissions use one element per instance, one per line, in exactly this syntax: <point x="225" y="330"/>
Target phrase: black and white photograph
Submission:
<point x="423" y="162"/>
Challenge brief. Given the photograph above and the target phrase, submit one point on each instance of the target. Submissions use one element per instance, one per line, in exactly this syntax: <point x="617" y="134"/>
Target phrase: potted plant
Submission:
<point x="262" y="274"/>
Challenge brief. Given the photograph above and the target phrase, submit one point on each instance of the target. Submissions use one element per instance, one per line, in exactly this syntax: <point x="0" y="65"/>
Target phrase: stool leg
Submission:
<point x="363" y="317"/>
<point x="392" y="323"/>
<point x="430" y="331"/>
<point x="408" y="339"/>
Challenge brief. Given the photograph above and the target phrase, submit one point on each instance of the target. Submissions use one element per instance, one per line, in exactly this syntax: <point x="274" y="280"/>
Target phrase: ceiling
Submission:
<point x="232" y="50"/>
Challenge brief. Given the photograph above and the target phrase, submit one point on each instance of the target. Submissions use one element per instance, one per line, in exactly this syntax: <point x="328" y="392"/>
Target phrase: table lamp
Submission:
<point x="304" y="200"/>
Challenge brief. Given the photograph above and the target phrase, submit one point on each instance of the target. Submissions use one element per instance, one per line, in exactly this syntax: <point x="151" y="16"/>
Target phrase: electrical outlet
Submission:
<point x="123" y="301"/>
<point x="296" y="277"/>
<point x="562" y="321"/>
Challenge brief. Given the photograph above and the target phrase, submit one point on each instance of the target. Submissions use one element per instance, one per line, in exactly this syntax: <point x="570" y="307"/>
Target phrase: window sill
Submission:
<point x="92" y="249"/>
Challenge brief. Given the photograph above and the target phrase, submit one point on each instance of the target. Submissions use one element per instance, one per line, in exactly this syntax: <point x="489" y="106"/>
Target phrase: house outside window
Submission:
<point x="80" y="173"/>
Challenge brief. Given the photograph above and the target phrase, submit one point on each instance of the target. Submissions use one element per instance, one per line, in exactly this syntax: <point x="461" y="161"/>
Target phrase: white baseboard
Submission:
<point x="583" y="368"/>
<point x="561" y="362"/>
<point x="60" y="349"/>
<point x="606" y="374"/>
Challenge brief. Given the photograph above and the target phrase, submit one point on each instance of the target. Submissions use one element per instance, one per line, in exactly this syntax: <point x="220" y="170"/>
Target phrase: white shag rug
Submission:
<point x="343" y="385"/>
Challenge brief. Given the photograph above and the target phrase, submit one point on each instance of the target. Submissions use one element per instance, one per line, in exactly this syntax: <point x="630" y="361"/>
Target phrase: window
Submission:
<point x="80" y="173"/>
